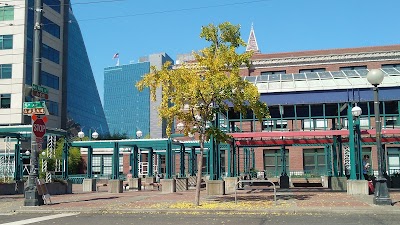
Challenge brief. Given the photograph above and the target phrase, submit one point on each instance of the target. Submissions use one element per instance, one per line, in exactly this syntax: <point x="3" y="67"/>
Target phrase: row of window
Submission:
<point x="51" y="28"/>
<point x="312" y="124"/>
<point x="385" y="66"/>
<point x="314" y="162"/>
<point x="54" y="4"/>
<point x="5" y="101"/>
<point x="50" y="53"/>
<point x="6" y="13"/>
<point x="49" y="80"/>
<point x="6" y="42"/>
<point x="5" y="71"/>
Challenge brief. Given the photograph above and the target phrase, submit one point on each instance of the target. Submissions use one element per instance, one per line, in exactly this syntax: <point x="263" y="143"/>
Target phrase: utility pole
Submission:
<point x="32" y="197"/>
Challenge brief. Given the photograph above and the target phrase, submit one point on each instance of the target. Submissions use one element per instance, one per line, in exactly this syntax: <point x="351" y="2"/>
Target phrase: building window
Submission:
<point x="273" y="162"/>
<point x="5" y="71"/>
<point x="353" y="68"/>
<point x="271" y="125"/>
<point x="5" y="101"/>
<point x="54" y="4"/>
<point x="52" y="107"/>
<point x="273" y="72"/>
<point x="49" y="80"/>
<point x="6" y="13"/>
<point x="51" y="28"/>
<point x="50" y="54"/>
<point x="312" y="70"/>
<point x="315" y="124"/>
<point x="388" y="66"/>
<point x="314" y="161"/>
<point x="6" y="42"/>
<point x="393" y="160"/>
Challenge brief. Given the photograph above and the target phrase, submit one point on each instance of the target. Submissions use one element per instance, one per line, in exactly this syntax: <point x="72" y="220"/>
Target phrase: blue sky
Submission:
<point x="139" y="28"/>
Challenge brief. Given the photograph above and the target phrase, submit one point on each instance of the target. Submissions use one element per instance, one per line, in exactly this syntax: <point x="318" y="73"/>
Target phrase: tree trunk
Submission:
<point x="199" y="171"/>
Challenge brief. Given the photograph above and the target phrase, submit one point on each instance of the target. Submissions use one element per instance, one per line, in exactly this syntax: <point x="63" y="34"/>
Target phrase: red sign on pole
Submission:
<point x="39" y="128"/>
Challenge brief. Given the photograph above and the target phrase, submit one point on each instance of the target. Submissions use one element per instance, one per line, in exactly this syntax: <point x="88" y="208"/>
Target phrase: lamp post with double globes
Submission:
<point x="139" y="134"/>
<point x="375" y="77"/>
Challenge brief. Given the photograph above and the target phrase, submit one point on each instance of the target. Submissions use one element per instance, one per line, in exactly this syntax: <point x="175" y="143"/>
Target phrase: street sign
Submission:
<point x="34" y="108"/>
<point x="33" y="105"/>
<point x="39" y="128"/>
<point x="38" y="111"/>
<point x="40" y="91"/>
<point x="40" y="94"/>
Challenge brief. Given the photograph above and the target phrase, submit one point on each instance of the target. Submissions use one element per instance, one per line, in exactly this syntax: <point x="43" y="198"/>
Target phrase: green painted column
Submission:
<point x="192" y="165"/>
<point x="245" y="160"/>
<point x="182" y="161"/>
<point x="238" y="161"/>
<point x="334" y="156"/>
<point x="115" y="162"/>
<point x="135" y="162"/>
<point x="65" y="160"/>
<point x="358" y="146"/>
<point x="151" y="163"/>
<point x="283" y="156"/>
<point x="340" y="154"/>
<point x="234" y="160"/>
<point x="158" y="163"/>
<point x="89" y="168"/>
<point x="168" y="160"/>
<point x="328" y="160"/>
<point x="211" y="159"/>
<point x="228" y="154"/>
<point x="253" y="159"/>
<point x="18" y="162"/>
<point x="353" y="175"/>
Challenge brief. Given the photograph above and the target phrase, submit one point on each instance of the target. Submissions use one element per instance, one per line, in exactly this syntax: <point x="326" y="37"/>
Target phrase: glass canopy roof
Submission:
<point x="321" y="80"/>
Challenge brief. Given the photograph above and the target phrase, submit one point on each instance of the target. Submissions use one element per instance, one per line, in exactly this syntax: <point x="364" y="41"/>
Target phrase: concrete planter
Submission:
<point x="304" y="182"/>
<point x="230" y="184"/>
<point x="215" y="187"/>
<point x="59" y="188"/>
<point x="395" y="182"/>
<point x="182" y="184"/>
<point x="12" y="188"/>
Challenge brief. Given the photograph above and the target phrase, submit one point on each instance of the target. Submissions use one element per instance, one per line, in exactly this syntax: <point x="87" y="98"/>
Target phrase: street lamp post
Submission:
<point x="356" y="111"/>
<point x="375" y="77"/>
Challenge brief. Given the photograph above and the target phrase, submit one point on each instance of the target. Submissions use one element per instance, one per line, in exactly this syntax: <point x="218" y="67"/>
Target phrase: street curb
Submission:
<point x="377" y="210"/>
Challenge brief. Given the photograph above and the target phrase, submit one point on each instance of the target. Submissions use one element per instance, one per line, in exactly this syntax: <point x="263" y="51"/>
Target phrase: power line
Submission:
<point x="176" y="10"/>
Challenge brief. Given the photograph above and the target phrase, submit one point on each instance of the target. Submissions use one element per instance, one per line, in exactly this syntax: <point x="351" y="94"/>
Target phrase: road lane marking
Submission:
<point x="38" y="219"/>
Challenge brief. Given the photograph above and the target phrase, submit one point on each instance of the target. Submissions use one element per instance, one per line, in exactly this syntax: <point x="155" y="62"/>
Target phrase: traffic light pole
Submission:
<point x="32" y="197"/>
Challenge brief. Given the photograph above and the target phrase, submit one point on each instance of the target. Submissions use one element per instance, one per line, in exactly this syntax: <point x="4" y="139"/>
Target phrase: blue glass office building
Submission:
<point x="126" y="109"/>
<point x="83" y="100"/>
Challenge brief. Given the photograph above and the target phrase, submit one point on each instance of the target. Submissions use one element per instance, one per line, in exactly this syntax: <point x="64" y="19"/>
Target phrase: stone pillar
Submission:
<point x="89" y="185"/>
<point x="230" y="184"/>
<point x="215" y="187"/>
<point x="339" y="183"/>
<point x="182" y="184"/>
<point x="357" y="187"/>
<point x="115" y="186"/>
<point x="135" y="183"/>
<point x="168" y="185"/>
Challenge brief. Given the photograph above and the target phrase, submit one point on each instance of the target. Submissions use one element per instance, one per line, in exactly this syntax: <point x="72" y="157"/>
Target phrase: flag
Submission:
<point x="116" y="56"/>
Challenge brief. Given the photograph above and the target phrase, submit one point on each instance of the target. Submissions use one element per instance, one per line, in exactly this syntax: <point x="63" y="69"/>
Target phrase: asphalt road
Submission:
<point x="176" y="218"/>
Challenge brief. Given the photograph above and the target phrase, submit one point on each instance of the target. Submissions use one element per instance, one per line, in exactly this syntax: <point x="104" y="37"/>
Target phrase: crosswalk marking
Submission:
<point x="38" y="219"/>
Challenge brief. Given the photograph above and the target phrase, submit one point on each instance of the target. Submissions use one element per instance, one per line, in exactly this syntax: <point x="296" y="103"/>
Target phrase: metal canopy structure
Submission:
<point x="247" y="139"/>
<point x="26" y="130"/>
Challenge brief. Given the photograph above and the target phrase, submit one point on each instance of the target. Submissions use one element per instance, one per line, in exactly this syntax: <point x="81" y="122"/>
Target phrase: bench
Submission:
<point x="158" y="185"/>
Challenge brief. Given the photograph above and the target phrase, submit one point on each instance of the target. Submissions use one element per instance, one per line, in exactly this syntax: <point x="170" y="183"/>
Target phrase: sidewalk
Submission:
<point x="294" y="200"/>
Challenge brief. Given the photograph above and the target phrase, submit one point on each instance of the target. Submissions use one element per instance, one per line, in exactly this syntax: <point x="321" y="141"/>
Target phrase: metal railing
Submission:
<point x="254" y="181"/>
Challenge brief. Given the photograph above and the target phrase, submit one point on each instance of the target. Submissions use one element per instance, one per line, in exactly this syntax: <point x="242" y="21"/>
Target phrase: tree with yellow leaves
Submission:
<point x="193" y="93"/>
